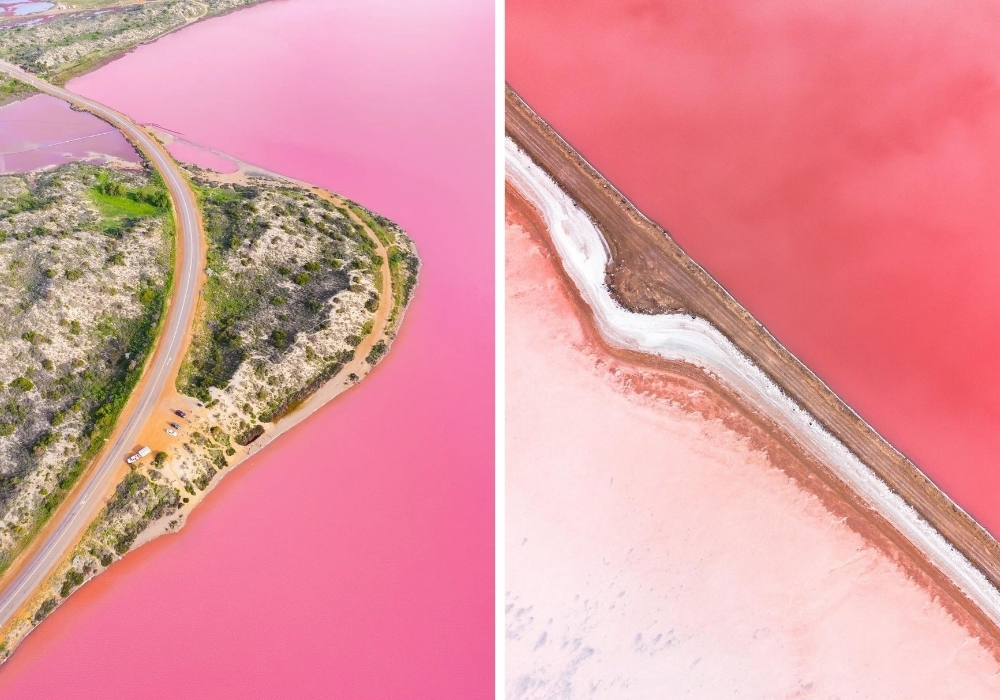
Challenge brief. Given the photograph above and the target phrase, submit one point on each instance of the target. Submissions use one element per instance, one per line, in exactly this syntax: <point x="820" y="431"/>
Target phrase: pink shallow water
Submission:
<point x="23" y="7"/>
<point x="202" y="157"/>
<point x="650" y="549"/>
<point x="835" y="166"/>
<point x="354" y="558"/>
<point x="41" y="130"/>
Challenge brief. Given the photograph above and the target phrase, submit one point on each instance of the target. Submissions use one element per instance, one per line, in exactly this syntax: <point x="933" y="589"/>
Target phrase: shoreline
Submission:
<point x="327" y="392"/>
<point x="647" y="299"/>
<point x="338" y="384"/>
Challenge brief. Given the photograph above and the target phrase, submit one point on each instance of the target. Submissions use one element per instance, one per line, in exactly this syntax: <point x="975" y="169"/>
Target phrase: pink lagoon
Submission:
<point x="40" y="131"/>
<point x="834" y="166"/>
<point x="353" y="558"/>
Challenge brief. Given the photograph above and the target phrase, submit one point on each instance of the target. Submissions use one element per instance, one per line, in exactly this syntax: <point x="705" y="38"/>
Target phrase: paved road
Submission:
<point x="73" y="517"/>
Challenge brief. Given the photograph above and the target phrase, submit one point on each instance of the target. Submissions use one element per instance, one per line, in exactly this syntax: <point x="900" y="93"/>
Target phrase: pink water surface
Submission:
<point x="652" y="552"/>
<point x="354" y="559"/>
<point x="835" y="165"/>
<point x="202" y="157"/>
<point x="23" y="7"/>
<point x="41" y="130"/>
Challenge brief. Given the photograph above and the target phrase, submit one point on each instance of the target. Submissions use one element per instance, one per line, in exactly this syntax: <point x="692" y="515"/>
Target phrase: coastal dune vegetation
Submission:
<point x="293" y="287"/>
<point x="66" y="45"/>
<point x="85" y="270"/>
<point x="294" y="283"/>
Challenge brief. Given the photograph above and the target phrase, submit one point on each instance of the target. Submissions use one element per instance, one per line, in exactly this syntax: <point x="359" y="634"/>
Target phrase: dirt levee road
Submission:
<point x="649" y="274"/>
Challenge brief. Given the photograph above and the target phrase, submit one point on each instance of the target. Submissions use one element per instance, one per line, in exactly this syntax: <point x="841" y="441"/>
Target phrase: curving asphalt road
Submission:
<point x="74" y="516"/>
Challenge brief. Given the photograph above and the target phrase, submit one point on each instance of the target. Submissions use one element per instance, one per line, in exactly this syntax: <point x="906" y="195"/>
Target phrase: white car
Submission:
<point x="170" y="431"/>
<point x="133" y="459"/>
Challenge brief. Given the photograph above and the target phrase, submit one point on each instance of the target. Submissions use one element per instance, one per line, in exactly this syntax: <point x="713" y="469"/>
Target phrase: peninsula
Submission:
<point x="165" y="322"/>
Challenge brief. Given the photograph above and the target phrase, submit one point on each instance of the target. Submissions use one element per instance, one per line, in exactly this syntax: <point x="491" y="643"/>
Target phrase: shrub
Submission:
<point x="250" y="435"/>
<point x="377" y="352"/>
<point x="44" y="609"/>
<point x="109" y="187"/>
<point x="22" y="384"/>
<point x="44" y="442"/>
<point x="73" y="275"/>
<point x="73" y="579"/>
<point x="279" y="339"/>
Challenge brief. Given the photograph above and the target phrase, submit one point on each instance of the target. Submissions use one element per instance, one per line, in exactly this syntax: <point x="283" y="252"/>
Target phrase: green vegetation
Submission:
<point x="12" y="89"/>
<point x="205" y="478"/>
<point x="377" y="352"/>
<point x="44" y="609"/>
<point x="122" y="207"/>
<point x="403" y="265"/>
<point x="217" y="350"/>
<point x="278" y="256"/>
<point x="22" y="384"/>
<point x="242" y="295"/>
<point x="136" y="503"/>
<point x="85" y="396"/>
<point x="291" y="402"/>
<point x="73" y="579"/>
<point x="250" y="435"/>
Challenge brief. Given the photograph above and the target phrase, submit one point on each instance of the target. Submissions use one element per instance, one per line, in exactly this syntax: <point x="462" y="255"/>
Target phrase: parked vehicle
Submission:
<point x="171" y="432"/>
<point x="180" y="413"/>
<point x="174" y="426"/>
<point x="143" y="451"/>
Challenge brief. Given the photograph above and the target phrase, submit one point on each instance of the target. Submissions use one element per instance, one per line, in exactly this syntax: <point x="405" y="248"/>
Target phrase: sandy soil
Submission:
<point x="651" y="274"/>
<point x="658" y="538"/>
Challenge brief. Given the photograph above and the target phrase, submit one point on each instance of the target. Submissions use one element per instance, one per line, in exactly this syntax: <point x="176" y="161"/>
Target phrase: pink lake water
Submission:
<point x="23" y="7"/>
<point x="654" y="552"/>
<point x="834" y="165"/>
<point x="202" y="157"/>
<point x="41" y="130"/>
<point x="354" y="559"/>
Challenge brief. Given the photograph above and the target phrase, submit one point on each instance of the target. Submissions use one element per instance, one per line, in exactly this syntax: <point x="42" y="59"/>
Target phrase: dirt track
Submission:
<point x="651" y="274"/>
